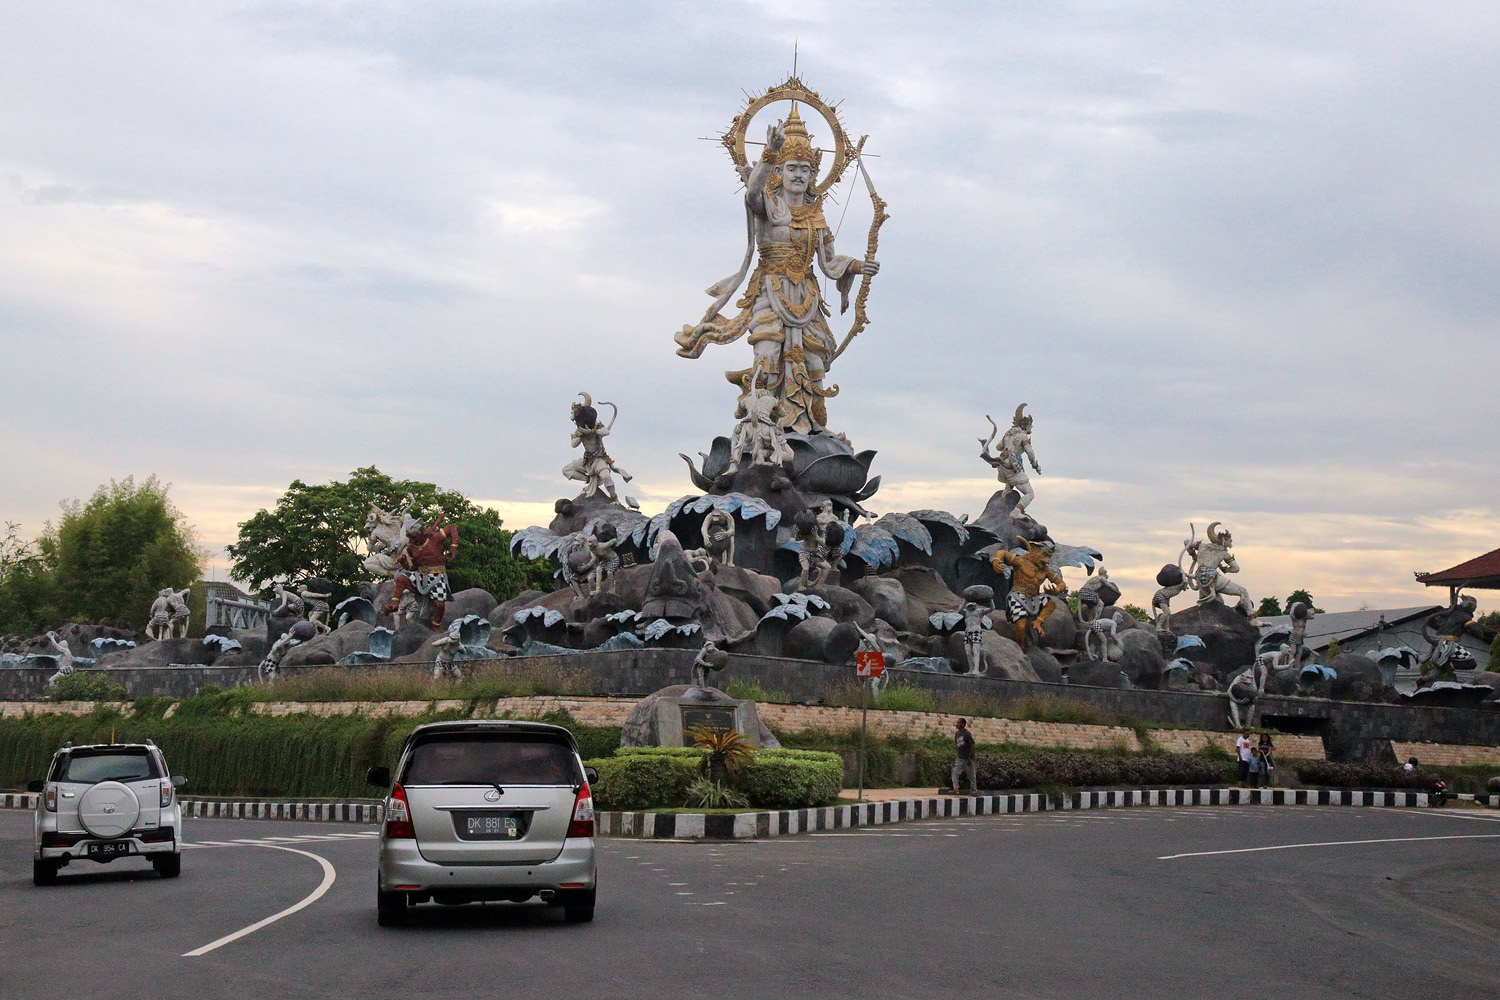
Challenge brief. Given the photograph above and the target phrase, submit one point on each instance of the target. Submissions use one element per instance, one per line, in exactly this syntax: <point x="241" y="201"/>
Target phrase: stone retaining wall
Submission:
<point x="1446" y="754"/>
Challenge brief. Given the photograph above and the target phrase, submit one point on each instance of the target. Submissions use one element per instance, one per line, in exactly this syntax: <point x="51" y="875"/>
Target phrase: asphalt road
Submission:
<point x="1088" y="904"/>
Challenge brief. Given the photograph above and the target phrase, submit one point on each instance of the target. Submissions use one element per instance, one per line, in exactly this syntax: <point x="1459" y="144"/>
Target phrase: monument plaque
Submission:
<point x="716" y="719"/>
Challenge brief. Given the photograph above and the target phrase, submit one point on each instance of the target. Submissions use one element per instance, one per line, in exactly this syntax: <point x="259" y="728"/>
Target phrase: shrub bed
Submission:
<point x="638" y="778"/>
<point x="1362" y="774"/>
<point x="1035" y="770"/>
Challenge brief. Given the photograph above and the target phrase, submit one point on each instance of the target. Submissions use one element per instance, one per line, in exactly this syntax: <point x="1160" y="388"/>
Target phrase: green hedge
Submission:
<point x="1362" y="774"/>
<point x="642" y="781"/>
<point x="1035" y="770"/>
<point x="638" y="778"/>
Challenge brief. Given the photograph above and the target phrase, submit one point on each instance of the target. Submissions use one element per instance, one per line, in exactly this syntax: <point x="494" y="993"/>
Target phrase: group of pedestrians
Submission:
<point x="1257" y="762"/>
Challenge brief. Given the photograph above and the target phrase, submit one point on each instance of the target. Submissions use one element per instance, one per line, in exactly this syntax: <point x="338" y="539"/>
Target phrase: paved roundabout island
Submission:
<point x="1180" y="902"/>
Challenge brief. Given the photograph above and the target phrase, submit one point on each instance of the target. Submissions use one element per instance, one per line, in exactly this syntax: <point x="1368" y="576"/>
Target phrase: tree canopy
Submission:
<point x="1305" y="598"/>
<point x="105" y="559"/>
<point x="319" y="531"/>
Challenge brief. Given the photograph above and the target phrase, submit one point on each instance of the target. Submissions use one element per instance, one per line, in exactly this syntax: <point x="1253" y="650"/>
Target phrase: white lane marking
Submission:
<point x="1326" y="843"/>
<point x="311" y="898"/>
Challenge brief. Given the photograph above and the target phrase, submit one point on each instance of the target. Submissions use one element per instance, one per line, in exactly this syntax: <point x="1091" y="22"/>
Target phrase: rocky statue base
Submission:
<point x="663" y="719"/>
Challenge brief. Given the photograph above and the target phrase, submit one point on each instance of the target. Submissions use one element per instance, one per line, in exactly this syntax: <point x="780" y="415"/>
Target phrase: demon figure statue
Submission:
<point x="1033" y="584"/>
<point x="424" y="570"/>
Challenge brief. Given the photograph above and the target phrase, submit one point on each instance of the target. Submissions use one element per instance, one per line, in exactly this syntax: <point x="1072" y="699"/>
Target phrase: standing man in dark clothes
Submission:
<point x="963" y="741"/>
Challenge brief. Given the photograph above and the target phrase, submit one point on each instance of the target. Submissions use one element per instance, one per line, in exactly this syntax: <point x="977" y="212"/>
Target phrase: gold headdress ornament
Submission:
<point x="798" y="144"/>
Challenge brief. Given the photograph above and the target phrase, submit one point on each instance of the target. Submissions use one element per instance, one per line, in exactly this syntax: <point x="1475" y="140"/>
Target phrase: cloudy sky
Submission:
<point x="1239" y="259"/>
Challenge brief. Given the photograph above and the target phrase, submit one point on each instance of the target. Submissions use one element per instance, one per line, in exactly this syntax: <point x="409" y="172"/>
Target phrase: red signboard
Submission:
<point x="869" y="663"/>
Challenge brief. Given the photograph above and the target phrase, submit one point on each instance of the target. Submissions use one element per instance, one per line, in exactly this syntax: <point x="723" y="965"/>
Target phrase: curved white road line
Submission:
<point x="311" y="898"/>
<point x="1326" y="843"/>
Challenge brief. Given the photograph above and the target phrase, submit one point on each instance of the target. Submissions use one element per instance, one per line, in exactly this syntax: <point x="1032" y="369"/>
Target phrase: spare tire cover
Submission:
<point x="108" y="809"/>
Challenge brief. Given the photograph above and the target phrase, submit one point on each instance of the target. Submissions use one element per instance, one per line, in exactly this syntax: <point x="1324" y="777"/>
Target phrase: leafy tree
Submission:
<point x="1305" y="598"/>
<point x="1269" y="607"/>
<point x="1489" y="620"/>
<point x="319" y="530"/>
<point x="1137" y="612"/>
<point x="1494" y="661"/>
<point x="1334" y="649"/>
<point x="106" y="558"/>
<point x="25" y="584"/>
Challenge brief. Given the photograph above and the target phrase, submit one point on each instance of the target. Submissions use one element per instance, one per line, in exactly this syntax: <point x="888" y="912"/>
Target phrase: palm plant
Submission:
<point x="728" y="751"/>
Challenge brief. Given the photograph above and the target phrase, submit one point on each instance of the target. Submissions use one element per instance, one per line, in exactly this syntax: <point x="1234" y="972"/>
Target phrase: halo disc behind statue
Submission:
<point x="790" y="90"/>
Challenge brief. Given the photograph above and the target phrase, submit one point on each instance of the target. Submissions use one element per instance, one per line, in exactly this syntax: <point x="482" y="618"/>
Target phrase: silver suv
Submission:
<point x="103" y="802"/>
<point x="487" y="810"/>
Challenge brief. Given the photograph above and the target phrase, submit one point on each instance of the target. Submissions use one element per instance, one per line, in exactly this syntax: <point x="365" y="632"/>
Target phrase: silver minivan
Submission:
<point x="487" y="810"/>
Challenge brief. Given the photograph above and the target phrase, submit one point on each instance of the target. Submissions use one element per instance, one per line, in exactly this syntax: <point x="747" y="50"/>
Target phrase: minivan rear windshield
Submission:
<point x="490" y="759"/>
<point x="93" y="766"/>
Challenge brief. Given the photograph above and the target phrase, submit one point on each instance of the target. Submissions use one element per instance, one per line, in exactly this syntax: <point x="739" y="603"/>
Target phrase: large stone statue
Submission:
<point x="316" y="592"/>
<point x="1010" y="457"/>
<point x="595" y="470"/>
<point x="425" y="569"/>
<point x="782" y="309"/>
<point x="1033" y="584"/>
<point x="1211" y="559"/>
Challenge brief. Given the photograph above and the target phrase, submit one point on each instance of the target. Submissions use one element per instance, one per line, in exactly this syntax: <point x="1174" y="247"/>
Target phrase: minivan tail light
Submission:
<point x="166" y="793"/>
<point x="582" y="824"/>
<point x="398" y="815"/>
<point x="50" y="798"/>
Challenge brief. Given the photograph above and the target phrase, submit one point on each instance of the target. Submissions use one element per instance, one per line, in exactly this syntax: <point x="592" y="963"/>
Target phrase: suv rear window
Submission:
<point x="93" y="766"/>
<point x="490" y="759"/>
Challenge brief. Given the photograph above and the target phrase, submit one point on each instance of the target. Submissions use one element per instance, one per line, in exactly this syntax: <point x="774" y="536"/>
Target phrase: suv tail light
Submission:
<point x="166" y="793"/>
<point x="582" y="824"/>
<point x="398" y="815"/>
<point x="49" y="796"/>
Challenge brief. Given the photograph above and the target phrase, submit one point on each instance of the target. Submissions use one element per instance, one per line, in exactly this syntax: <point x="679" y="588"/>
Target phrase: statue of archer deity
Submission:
<point x="1009" y="461"/>
<point x="782" y="308"/>
<point x="595" y="470"/>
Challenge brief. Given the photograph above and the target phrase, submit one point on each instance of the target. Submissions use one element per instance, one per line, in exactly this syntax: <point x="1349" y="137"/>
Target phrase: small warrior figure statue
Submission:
<point x="602" y="560"/>
<point x="758" y="438"/>
<point x="718" y="537"/>
<point x="1096" y="593"/>
<point x="1245" y="689"/>
<point x="387" y="537"/>
<point x="1444" y="632"/>
<point x="1033" y="584"/>
<point x="1009" y="461"/>
<point x="271" y="665"/>
<point x="289" y="604"/>
<point x="425" y="569"/>
<point x="160" y="625"/>
<point x="595" y="470"/>
<point x="820" y="534"/>
<point x="178" y="613"/>
<point x="316" y="593"/>
<point x="59" y="650"/>
<point x="445" y="662"/>
<point x="710" y="657"/>
<point x="976" y="621"/>
<point x="1211" y="558"/>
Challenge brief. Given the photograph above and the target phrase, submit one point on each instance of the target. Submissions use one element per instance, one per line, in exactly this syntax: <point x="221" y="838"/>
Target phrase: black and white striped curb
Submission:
<point x="790" y="822"/>
<point x="740" y="826"/>
<point x="322" y="812"/>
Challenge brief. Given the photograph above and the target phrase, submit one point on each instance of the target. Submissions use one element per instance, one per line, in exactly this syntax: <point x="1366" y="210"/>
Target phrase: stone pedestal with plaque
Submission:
<point x="664" y="718"/>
